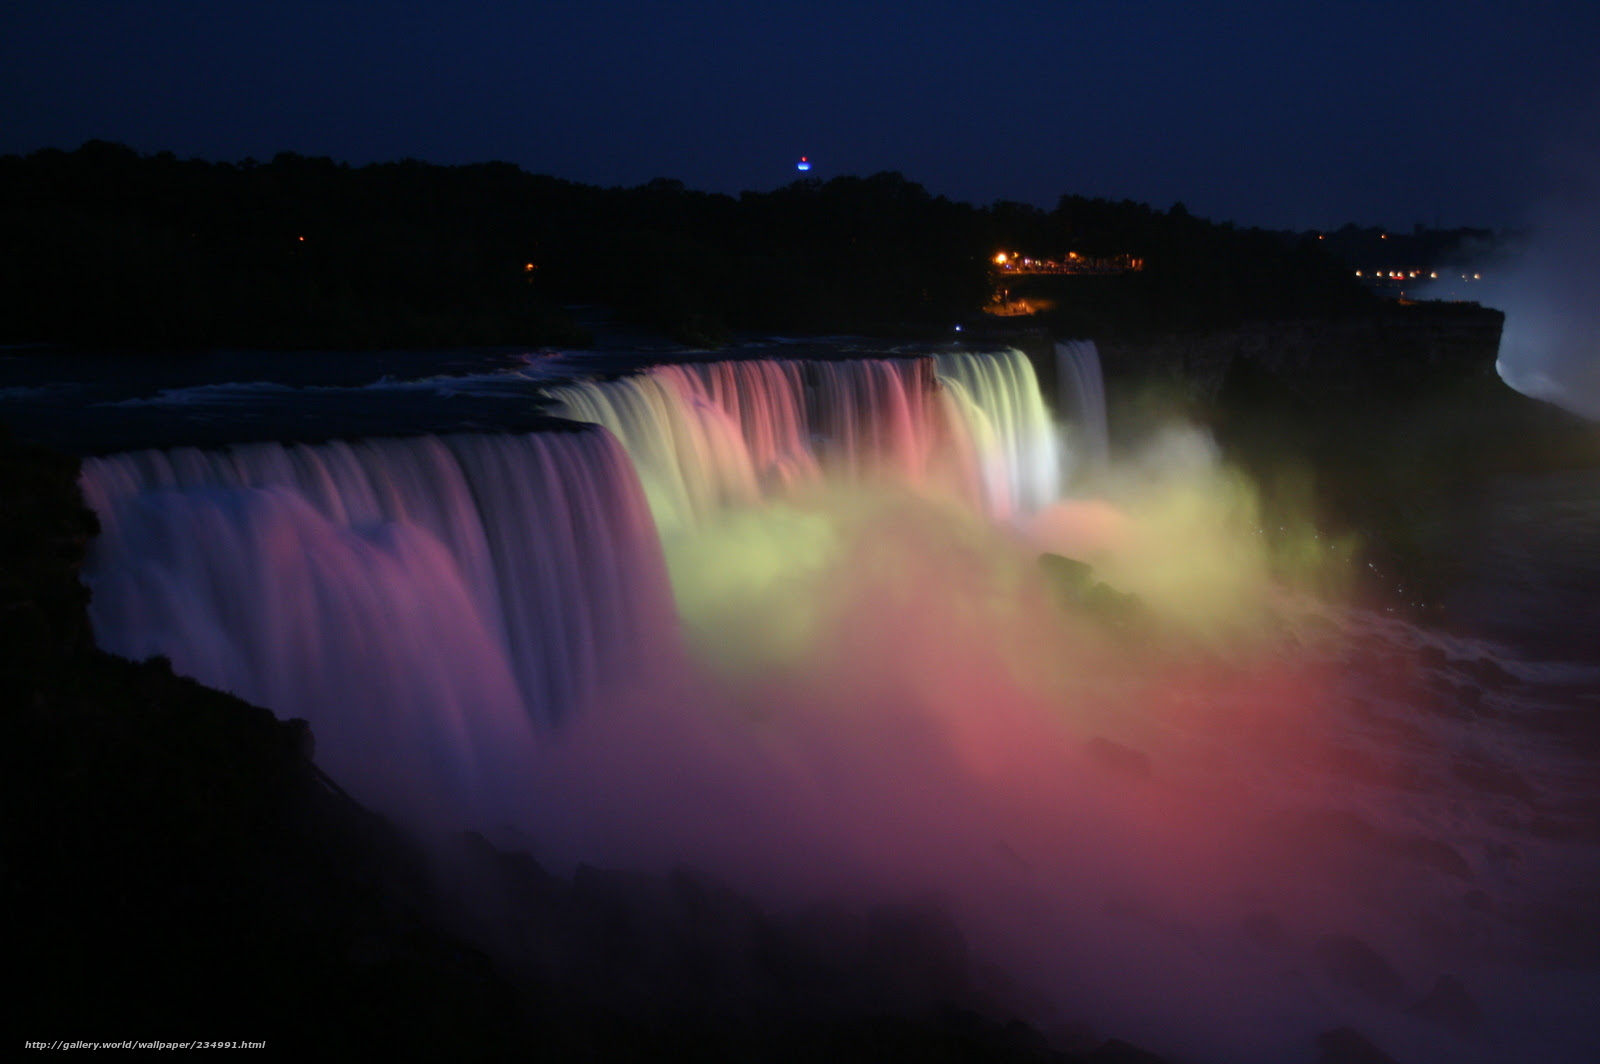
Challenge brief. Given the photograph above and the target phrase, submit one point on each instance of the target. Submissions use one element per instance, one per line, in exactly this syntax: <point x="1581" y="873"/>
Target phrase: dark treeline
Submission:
<point x="1197" y="274"/>
<point x="102" y="246"/>
<point x="1377" y="247"/>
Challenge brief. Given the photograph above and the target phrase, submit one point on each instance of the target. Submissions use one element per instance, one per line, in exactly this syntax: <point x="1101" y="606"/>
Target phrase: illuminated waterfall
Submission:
<point x="706" y="435"/>
<point x="1082" y="395"/>
<point x="688" y="454"/>
<point x="1178" y="815"/>
<point x="439" y="600"/>
<point x="415" y="598"/>
<point x="1017" y="452"/>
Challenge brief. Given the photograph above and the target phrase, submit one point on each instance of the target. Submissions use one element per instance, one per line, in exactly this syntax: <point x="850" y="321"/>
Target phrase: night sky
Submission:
<point x="1283" y="115"/>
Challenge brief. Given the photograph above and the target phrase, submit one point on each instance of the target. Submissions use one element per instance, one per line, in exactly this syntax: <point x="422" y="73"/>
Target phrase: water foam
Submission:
<point x="1192" y="829"/>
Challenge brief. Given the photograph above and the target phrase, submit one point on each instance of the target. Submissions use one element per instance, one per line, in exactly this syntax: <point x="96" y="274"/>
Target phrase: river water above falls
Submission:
<point x="779" y="615"/>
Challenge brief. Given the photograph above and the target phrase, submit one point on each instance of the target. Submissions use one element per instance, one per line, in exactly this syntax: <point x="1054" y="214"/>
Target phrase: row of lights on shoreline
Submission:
<point x="1016" y="262"/>
<point x="1402" y="275"/>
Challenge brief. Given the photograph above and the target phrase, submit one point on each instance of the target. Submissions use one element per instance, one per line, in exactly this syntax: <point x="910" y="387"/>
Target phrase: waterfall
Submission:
<point x="706" y="435"/>
<point x="868" y="694"/>
<point x="687" y="452"/>
<point x="441" y="600"/>
<point x="1080" y="384"/>
<point x="1018" y="453"/>
<point x="427" y="603"/>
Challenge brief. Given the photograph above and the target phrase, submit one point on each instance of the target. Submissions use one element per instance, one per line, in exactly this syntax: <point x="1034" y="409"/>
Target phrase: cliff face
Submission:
<point x="44" y="533"/>
<point x="178" y="862"/>
<point x="1395" y="351"/>
<point x="1383" y="426"/>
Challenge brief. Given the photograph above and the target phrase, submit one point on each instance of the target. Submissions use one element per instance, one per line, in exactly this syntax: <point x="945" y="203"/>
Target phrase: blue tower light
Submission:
<point x="803" y="164"/>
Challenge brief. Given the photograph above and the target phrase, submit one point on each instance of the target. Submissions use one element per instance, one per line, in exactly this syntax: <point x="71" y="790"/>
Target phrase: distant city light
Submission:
<point x="803" y="164"/>
<point x="1000" y="258"/>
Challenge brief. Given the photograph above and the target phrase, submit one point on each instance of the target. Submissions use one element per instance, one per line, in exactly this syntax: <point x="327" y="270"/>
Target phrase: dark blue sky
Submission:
<point x="1277" y="114"/>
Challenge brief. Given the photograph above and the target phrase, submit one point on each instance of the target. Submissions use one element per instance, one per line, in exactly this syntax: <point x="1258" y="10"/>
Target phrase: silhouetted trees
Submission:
<point x="1373" y="247"/>
<point x="103" y="246"/>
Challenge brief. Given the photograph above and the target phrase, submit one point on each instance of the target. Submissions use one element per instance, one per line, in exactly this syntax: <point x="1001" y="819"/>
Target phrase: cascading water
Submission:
<point x="1017" y="449"/>
<point x="766" y="400"/>
<point x="1211" y="819"/>
<point x="706" y="436"/>
<point x="688" y="454"/>
<point x="1080" y="384"/>
<point x="428" y="596"/>
<point x="428" y="603"/>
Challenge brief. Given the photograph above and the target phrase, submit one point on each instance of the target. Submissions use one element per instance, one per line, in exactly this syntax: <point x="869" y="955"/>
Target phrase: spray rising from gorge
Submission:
<point x="785" y="621"/>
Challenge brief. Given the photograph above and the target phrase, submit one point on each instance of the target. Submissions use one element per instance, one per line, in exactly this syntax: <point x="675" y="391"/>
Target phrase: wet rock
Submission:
<point x="1075" y="1037"/>
<point x="705" y="903"/>
<point x="1485" y="671"/>
<point x="1116" y="1051"/>
<point x="1119" y="608"/>
<point x="921" y="948"/>
<point x="835" y="934"/>
<point x="1355" y="966"/>
<point x="1070" y="578"/>
<point x="1450" y="1006"/>
<point x="1075" y="587"/>
<point x="1344" y="1045"/>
